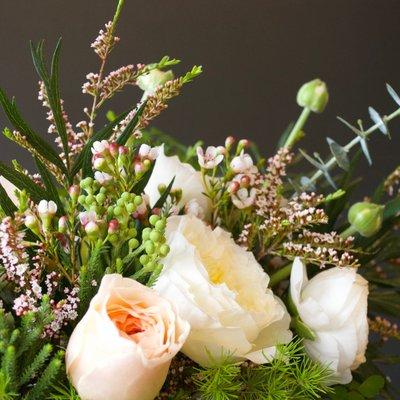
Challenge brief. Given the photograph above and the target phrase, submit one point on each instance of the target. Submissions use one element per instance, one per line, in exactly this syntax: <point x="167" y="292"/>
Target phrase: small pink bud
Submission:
<point x="113" y="149"/>
<point x="234" y="187"/>
<point x="244" y="143"/>
<point x="123" y="150"/>
<point x="63" y="224"/>
<point x="74" y="192"/>
<point x="229" y="142"/>
<point x="245" y="181"/>
<point x="221" y="150"/>
<point x="99" y="162"/>
<point x="91" y="228"/>
<point x="113" y="226"/>
<point x="139" y="167"/>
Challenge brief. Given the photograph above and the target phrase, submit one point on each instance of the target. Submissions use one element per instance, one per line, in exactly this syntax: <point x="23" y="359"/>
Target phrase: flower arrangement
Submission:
<point x="133" y="267"/>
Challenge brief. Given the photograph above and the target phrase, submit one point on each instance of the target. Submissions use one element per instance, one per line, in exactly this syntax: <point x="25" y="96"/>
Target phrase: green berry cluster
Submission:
<point x="154" y="245"/>
<point x="95" y="197"/>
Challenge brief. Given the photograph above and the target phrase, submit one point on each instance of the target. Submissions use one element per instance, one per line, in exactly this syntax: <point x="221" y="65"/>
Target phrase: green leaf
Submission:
<point x="160" y="202"/>
<point x="353" y="395"/>
<point x="22" y="182"/>
<point x="302" y="329"/>
<point x="5" y="203"/>
<point x="52" y="89"/>
<point x="127" y="132"/>
<point x="372" y="386"/>
<point x="392" y="209"/>
<point x="339" y="153"/>
<point x="387" y="301"/>
<point x="50" y="186"/>
<point x="41" y="146"/>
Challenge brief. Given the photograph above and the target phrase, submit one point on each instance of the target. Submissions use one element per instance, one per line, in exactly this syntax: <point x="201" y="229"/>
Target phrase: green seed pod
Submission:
<point x="160" y="225"/>
<point x="126" y="196"/>
<point x="313" y="95"/>
<point x="149" y="247"/>
<point x="118" y="210"/>
<point x="101" y="198"/>
<point x="82" y="199"/>
<point x="138" y="200"/>
<point x="366" y="218"/>
<point x="144" y="259"/>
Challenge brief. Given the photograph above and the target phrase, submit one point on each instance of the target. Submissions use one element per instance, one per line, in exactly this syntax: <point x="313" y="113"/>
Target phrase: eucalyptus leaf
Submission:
<point x="377" y="119"/>
<point x="306" y="183"/>
<point x="393" y="94"/>
<point x="353" y="128"/>
<point x="339" y="153"/>
<point x="364" y="148"/>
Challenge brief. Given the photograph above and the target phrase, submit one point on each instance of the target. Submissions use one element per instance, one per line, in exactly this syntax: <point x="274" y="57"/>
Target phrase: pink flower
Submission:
<point x="211" y="158"/>
<point x="244" y="197"/>
<point x="87" y="216"/>
<point x="148" y="152"/>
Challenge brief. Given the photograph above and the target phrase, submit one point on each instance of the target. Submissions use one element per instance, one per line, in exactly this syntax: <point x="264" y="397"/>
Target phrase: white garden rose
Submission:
<point x="333" y="304"/>
<point x="10" y="189"/>
<point x="221" y="290"/>
<point x="123" y="346"/>
<point x="186" y="178"/>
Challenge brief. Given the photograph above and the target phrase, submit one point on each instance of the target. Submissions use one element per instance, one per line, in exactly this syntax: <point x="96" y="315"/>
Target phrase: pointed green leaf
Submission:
<point x="302" y="329"/>
<point x="5" y="203"/>
<point x="160" y="202"/>
<point x="353" y="128"/>
<point x="372" y="386"/>
<point x="22" y="182"/>
<point x="127" y="132"/>
<point x="41" y="146"/>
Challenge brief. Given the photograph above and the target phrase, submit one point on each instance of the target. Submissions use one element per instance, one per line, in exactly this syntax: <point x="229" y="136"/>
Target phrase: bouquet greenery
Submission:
<point x="133" y="267"/>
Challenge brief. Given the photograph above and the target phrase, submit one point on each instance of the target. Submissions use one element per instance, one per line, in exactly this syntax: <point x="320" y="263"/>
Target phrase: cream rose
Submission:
<point x="223" y="292"/>
<point x="186" y="178"/>
<point x="334" y="305"/>
<point x="123" y="346"/>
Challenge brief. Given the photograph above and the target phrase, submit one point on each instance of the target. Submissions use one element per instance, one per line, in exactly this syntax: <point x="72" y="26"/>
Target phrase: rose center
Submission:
<point x="126" y="323"/>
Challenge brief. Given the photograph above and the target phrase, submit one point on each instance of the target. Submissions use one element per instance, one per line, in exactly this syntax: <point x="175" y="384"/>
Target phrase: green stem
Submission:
<point x="117" y="14"/>
<point x="355" y="141"/>
<point x="280" y="275"/>
<point x="348" y="232"/>
<point x="295" y="134"/>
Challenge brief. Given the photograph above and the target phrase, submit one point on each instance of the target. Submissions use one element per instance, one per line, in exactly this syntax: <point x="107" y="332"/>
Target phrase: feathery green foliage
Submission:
<point x="28" y="365"/>
<point x="290" y="375"/>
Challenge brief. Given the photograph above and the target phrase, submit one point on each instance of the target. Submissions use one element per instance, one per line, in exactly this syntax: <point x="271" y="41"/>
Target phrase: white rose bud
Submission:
<point x="222" y="291"/>
<point x="153" y="80"/>
<point x="123" y="346"/>
<point x="186" y="178"/>
<point x="333" y="304"/>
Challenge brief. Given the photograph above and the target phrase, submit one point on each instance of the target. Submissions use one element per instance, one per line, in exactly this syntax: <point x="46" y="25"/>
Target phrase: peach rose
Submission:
<point x="123" y="346"/>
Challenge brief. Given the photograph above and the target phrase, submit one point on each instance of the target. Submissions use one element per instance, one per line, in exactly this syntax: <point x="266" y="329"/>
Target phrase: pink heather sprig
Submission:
<point x="76" y="140"/>
<point x="105" y="41"/>
<point x="13" y="254"/>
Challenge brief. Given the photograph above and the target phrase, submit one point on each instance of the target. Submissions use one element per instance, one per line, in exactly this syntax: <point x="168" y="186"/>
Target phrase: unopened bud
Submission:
<point x="63" y="224"/>
<point x="113" y="226"/>
<point x="366" y="218"/>
<point x="151" y="81"/>
<point x="74" y="192"/>
<point x="113" y="149"/>
<point x="313" y="95"/>
<point x="229" y="141"/>
<point x="234" y="187"/>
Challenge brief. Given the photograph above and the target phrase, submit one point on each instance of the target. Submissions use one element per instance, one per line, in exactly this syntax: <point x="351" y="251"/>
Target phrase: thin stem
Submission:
<point x="295" y="133"/>
<point x="280" y="275"/>
<point x="102" y="66"/>
<point x="348" y="232"/>
<point x="355" y="141"/>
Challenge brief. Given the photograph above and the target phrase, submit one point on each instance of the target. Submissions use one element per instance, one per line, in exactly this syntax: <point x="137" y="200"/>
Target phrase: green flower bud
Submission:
<point x="149" y="247"/>
<point x="126" y="196"/>
<point x="133" y="244"/>
<point x="132" y="232"/>
<point x="155" y="236"/>
<point x="138" y="200"/>
<point x="90" y="199"/>
<point x="313" y="95"/>
<point x="82" y="199"/>
<point x="366" y="218"/>
<point x="146" y="233"/>
<point x="101" y="198"/>
<point x="120" y="202"/>
<point x="144" y="259"/>
<point x="164" y="250"/>
<point x="153" y="219"/>
<point x="118" y="210"/>
<point x="131" y="207"/>
<point x="113" y="238"/>
<point x="86" y="183"/>
<point x="160" y="225"/>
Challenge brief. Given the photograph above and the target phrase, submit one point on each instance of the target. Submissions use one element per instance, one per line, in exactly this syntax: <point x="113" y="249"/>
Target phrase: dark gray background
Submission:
<point x="255" y="54"/>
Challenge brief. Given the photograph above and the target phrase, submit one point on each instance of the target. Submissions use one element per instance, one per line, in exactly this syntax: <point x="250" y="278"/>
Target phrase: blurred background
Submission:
<point x="255" y="56"/>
